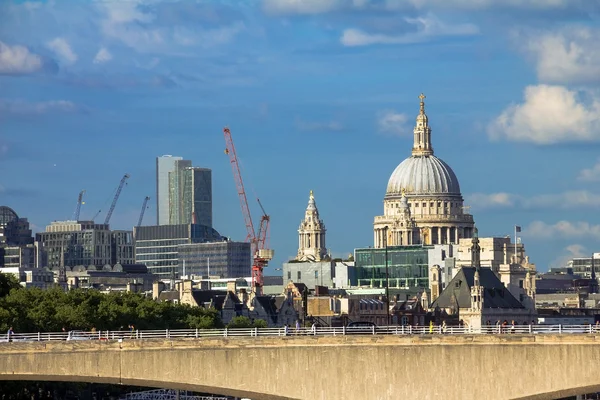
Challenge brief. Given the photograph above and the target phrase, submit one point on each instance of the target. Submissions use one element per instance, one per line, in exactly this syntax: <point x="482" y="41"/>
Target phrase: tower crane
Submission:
<point x="260" y="253"/>
<point x="79" y="203"/>
<point x="115" y="199"/>
<point x="144" y="206"/>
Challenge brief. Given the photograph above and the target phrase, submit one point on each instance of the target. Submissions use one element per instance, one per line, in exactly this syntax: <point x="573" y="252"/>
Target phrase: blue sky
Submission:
<point x="319" y="95"/>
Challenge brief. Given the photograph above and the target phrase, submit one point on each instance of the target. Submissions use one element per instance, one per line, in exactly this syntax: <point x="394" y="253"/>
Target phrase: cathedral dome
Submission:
<point x="423" y="175"/>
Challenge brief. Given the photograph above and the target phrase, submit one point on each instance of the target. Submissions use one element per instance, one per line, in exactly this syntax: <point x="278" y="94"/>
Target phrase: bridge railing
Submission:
<point x="317" y="331"/>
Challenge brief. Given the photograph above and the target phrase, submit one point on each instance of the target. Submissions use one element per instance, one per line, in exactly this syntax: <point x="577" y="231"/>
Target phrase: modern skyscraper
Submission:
<point x="188" y="198"/>
<point x="164" y="165"/>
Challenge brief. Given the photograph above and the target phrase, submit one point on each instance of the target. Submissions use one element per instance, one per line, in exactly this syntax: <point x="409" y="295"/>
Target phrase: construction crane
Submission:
<point x="115" y="199"/>
<point x="258" y="243"/>
<point x="144" y="206"/>
<point x="79" y="203"/>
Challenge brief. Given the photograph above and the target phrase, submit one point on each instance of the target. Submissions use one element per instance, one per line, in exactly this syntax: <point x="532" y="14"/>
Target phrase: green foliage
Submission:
<point x="260" y="323"/>
<point x="245" y="322"/>
<point x="33" y="310"/>
<point x="7" y="283"/>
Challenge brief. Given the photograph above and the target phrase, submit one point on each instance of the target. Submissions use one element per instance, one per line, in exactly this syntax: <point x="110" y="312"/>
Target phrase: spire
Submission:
<point x="311" y="245"/>
<point x="422" y="144"/>
<point x="475" y="249"/>
<point x="311" y="202"/>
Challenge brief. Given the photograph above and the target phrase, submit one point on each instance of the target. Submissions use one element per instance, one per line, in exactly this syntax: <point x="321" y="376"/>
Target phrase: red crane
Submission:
<point x="258" y="243"/>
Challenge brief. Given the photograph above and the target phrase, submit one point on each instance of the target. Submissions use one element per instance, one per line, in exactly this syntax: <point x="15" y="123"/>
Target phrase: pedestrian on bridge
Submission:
<point x="9" y="334"/>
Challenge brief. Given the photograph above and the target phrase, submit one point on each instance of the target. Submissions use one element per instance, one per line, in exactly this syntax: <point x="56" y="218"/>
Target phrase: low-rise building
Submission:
<point x="477" y="297"/>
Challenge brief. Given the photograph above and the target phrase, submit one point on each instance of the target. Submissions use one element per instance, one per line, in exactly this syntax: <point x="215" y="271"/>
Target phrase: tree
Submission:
<point x="36" y="310"/>
<point x="260" y="323"/>
<point x="245" y="322"/>
<point x="7" y="283"/>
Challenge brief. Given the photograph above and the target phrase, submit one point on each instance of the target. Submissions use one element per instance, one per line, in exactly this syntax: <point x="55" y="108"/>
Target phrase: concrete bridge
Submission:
<point x="360" y="367"/>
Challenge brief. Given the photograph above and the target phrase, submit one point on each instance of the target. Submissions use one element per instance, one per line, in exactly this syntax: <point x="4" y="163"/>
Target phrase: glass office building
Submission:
<point x="158" y="246"/>
<point x="190" y="195"/>
<point x="72" y="243"/>
<point x="164" y="165"/>
<point x="183" y="192"/>
<point x="223" y="259"/>
<point x="407" y="265"/>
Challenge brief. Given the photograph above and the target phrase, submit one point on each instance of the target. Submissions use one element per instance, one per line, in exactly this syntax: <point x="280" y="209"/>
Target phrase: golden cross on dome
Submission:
<point x="422" y="96"/>
<point x="311" y="195"/>
<point x="403" y="191"/>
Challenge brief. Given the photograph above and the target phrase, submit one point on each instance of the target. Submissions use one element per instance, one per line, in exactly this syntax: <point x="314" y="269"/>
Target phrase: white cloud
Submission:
<point x="548" y="115"/>
<point x="18" y="60"/>
<point x="19" y="107"/>
<point x="389" y="121"/>
<point x="319" y="125"/>
<point x="480" y="4"/>
<point x="102" y="56"/>
<point x="207" y="37"/>
<point x="311" y="7"/>
<point x="126" y="22"/>
<point x="570" y="55"/>
<point x="119" y="12"/>
<point x="492" y="200"/>
<point x="568" y="253"/>
<point x="426" y="28"/>
<point x="590" y="174"/>
<point x="63" y="50"/>
<point x="562" y="229"/>
<point x="304" y="6"/>
<point x="570" y="199"/>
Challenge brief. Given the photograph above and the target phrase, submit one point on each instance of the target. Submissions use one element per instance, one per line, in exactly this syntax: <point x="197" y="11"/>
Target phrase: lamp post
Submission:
<point x="387" y="278"/>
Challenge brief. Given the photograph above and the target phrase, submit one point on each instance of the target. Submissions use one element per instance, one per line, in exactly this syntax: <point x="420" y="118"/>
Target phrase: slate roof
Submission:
<point x="301" y="287"/>
<point x="495" y="294"/>
<point x="168" y="295"/>
<point x="279" y="300"/>
<point x="267" y="303"/>
<point x="202" y="297"/>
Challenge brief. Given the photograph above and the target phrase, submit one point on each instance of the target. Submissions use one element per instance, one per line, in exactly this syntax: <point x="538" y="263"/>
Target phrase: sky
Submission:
<point x="319" y="95"/>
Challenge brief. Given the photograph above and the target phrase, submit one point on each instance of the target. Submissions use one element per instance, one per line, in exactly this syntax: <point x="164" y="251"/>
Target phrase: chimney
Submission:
<point x="232" y="287"/>
<point x="156" y="289"/>
<point x="243" y="295"/>
<point x="186" y="286"/>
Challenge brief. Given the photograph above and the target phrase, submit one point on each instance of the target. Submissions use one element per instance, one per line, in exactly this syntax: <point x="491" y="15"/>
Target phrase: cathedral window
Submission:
<point x="424" y="204"/>
<point x="289" y="275"/>
<point x="299" y="276"/>
<point x="316" y="274"/>
<point x="431" y="205"/>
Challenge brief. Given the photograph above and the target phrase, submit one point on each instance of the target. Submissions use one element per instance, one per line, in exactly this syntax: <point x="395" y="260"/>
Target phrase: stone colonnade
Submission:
<point x="437" y="235"/>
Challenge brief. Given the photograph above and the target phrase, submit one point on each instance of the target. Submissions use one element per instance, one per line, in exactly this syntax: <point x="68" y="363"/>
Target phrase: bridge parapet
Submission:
<point x="350" y="367"/>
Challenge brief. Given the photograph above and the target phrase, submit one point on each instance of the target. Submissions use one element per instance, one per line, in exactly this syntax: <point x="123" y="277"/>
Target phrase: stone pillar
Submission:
<point x="448" y="235"/>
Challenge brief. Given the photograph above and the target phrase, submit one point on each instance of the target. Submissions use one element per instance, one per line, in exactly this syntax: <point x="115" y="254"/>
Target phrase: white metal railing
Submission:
<point x="169" y="394"/>
<point x="321" y="331"/>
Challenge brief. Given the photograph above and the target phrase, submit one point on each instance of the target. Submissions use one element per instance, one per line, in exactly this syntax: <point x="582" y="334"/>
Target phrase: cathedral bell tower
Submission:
<point x="311" y="234"/>
<point x="422" y="142"/>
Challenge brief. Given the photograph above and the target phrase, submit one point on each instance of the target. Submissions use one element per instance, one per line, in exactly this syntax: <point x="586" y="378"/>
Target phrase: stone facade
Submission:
<point x="423" y="203"/>
<point x="477" y="297"/>
<point x="311" y="234"/>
